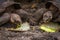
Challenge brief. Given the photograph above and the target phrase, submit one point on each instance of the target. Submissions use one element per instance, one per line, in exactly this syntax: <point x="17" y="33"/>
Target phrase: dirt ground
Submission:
<point x="29" y="35"/>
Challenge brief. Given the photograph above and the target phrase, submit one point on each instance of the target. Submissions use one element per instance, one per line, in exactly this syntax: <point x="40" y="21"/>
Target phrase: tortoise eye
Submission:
<point x="49" y="16"/>
<point x="45" y="16"/>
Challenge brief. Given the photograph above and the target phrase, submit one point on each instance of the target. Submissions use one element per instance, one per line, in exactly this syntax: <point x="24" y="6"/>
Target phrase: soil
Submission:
<point x="28" y="35"/>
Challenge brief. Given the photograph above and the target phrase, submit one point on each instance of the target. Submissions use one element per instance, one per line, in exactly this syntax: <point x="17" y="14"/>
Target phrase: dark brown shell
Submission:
<point x="56" y="3"/>
<point x="4" y="18"/>
<point x="8" y="3"/>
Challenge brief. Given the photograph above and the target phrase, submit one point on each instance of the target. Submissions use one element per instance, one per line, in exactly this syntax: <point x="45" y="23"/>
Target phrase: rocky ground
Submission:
<point x="29" y="35"/>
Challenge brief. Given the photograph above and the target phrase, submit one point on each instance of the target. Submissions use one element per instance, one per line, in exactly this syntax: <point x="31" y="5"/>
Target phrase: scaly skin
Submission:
<point x="47" y="16"/>
<point x="15" y="18"/>
<point x="4" y="18"/>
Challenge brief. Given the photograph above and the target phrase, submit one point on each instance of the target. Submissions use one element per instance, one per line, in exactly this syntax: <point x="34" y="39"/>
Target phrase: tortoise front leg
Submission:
<point x="4" y="18"/>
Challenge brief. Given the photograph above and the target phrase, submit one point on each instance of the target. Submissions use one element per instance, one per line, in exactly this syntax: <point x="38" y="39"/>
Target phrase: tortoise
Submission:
<point x="14" y="11"/>
<point x="14" y="8"/>
<point x="54" y="6"/>
<point x="7" y="12"/>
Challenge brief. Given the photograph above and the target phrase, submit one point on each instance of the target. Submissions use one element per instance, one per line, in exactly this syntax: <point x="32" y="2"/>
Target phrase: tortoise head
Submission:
<point x="15" y="18"/>
<point x="47" y="16"/>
